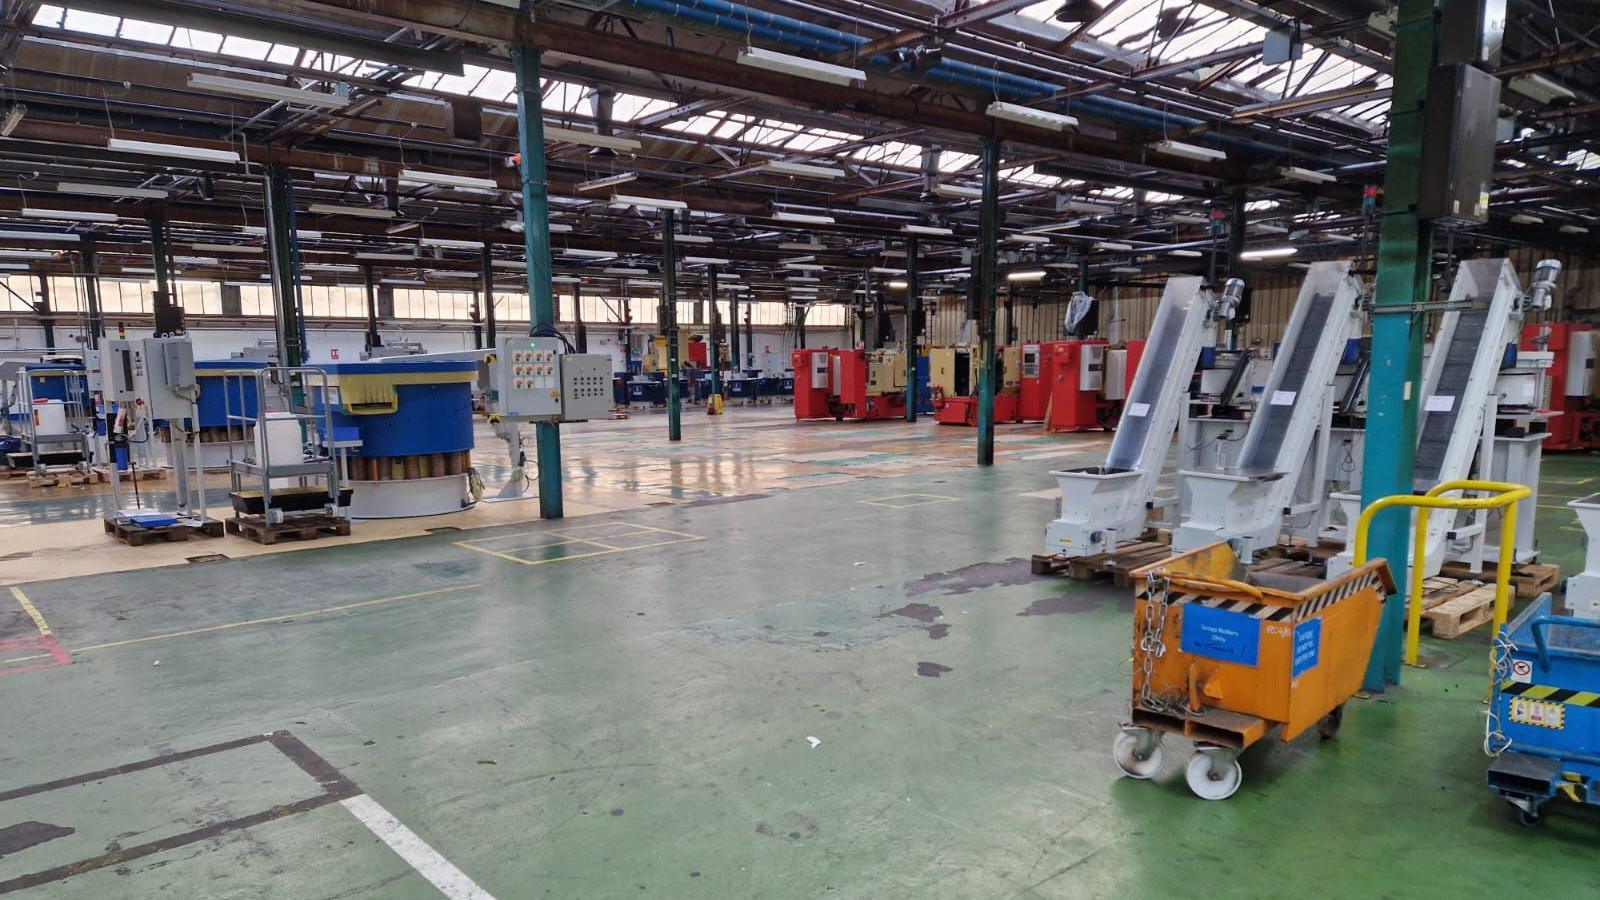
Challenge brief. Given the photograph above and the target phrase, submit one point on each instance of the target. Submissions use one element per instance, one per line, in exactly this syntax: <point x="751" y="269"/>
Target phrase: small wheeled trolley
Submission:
<point x="1543" y="730"/>
<point x="1224" y="656"/>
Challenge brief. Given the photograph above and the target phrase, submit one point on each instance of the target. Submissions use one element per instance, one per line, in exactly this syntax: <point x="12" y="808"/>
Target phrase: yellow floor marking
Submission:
<point x="1581" y="481"/>
<point x="211" y="629"/>
<point x="922" y="500"/>
<point x="32" y="611"/>
<point x="677" y="537"/>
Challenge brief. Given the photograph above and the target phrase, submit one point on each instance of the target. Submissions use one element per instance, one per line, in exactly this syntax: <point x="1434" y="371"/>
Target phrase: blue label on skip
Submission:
<point x="1307" y="646"/>
<point x="1221" y="634"/>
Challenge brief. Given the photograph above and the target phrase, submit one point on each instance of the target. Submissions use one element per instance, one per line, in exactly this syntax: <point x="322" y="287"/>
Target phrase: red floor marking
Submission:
<point x="38" y="644"/>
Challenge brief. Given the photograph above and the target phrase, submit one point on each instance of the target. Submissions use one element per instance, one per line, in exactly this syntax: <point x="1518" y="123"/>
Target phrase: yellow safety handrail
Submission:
<point x="1505" y="495"/>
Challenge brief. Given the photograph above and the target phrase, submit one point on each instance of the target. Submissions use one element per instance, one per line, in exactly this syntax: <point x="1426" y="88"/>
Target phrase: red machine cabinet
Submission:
<point x="832" y="384"/>
<point x="1077" y="380"/>
<point x="1570" y="381"/>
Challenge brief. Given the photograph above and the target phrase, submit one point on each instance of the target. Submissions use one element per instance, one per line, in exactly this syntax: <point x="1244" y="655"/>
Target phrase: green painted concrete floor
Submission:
<point x="622" y="706"/>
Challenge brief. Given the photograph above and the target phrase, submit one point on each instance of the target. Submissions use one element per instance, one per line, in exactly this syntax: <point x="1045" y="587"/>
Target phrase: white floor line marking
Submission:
<point x="451" y="881"/>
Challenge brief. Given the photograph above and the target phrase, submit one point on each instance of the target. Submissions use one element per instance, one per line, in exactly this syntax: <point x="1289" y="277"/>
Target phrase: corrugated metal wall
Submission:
<point x="1273" y="293"/>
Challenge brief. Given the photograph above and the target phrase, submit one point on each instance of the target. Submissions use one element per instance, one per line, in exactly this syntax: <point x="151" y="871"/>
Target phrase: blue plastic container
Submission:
<point x="431" y="412"/>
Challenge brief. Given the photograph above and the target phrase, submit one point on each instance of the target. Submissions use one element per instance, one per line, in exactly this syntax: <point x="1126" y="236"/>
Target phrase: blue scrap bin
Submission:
<point x="1544" y="725"/>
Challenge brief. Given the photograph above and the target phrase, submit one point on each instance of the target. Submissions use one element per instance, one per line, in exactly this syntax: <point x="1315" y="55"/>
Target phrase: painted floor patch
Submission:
<point x="908" y="501"/>
<point x="537" y="548"/>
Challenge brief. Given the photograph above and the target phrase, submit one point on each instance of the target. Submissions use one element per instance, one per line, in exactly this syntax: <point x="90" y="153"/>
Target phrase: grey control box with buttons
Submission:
<point x="585" y="387"/>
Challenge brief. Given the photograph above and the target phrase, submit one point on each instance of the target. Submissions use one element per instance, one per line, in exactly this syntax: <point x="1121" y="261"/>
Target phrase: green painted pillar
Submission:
<point x="913" y="313"/>
<point x="536" y="249"/>
<point x="669" y="322"/>
<point x="716" y="331"/>
<point x="95" y="327"/>
<point x="1404" y="257"/>
<point x="989" y="233"/>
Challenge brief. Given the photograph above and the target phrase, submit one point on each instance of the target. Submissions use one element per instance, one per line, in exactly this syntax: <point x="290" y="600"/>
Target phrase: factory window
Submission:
<point x="255" y="300"/>
<point x="826" y="315"/>
<point x="512" y="308"/>
<point x="198" y="298"/>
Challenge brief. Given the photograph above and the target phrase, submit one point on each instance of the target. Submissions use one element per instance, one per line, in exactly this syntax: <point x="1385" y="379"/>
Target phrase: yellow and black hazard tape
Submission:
<point x="1550" y="694"/>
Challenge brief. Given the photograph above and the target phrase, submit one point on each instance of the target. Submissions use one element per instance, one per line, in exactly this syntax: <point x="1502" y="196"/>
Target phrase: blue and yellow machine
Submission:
<point x="1544" y="710"/>
<point x="406" y="424"/>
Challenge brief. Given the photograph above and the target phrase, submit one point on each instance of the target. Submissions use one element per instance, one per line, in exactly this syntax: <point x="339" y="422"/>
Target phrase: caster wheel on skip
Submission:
<point x="1213" y="775"/>
<point x="1137" y="753"/>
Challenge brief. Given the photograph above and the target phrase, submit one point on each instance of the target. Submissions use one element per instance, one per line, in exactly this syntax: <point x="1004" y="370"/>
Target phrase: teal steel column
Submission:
<point x="913" y="313"/>
<point x="989" y="231"/>
<point x="536" y="249"/>
<point x="717" y="335"/>
<point x="96" y="329"/>
<point x="1404" y="280"/>
<point x="669" y="322"/>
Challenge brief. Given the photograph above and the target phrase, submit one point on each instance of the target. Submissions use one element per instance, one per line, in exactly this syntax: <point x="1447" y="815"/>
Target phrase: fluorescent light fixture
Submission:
<point x="451" y="273"/>
<point x="801" y="245"/>
<point x="68" y="215"/>
<point x="558" y="134"/>
<point x="206" y="261"/>
<point x="1268" y="228"/>
<point x="1027" y="115"/>
<point x="301" y="233"/>
<point x="1538" y="88"/>
<point x="647" y="202"/>
<point x="1027" y="239"/>
<point x="1525" y="219"/>
<point x="403" y="282"/>
<point x="587" y="254"/>
<point x="706" y="261"/>
<point x="804" y="267"/>
<point x="1188" y="253"/>
<point x="365" y="212"/>
<point x="1026" y="275"/>
<point x="327" y="267"/>
<point x="622" y="270"/>
<point x="136" y="270"/>
<point x="110" y="190"/>
<point x="1186" y="219"/>
<point x="509" y="264"/>
<point x="29" y="254"/>
<point x="1188" y="151"/>
<point x="402" y="227"/>
<point x="450" y="244"/>
<point x="1298" y="174"/>
<point x="610" y="181"/>
<point x="803" y="218"/>
<point x="1091" y="207"/>
<point x="1124" y="270"/>
<point x="38" y="236"/>
<point x="176" y="151"/>
<point x="1338" y="238"/>
<point x="803" y="279"/>
<point x="227" y="248"/>
<point x="885" y="270"/>
<point x="554" y="227"/>
<point x="565" y="279"/>
<point x="440" y="179"/>
<point x="800" y="66"/>
<point x="801" y="170"/>
<point x="387" y="257"/>
<point x="240" y="87"/>
<point x="898" y="285"/>
<point x="959" y="191"/>
<point x="727" y="276"/>
<point x="1112" y="246"/>
<point x="692" y="238"/>
<point x="1268" y="253"/>
<point x="13" y="119"/>
<point x="927" y="230"/>
<point x="1573" y="229"/>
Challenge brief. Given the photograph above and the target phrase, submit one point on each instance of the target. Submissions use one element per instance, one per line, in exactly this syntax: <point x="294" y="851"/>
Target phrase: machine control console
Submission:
<point x="535" y="379"/>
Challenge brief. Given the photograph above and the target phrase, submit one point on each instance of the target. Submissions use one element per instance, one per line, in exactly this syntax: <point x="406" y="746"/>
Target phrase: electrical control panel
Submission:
<point x="1092" y="367"/>
<point x="527" y="378"/>
<point x="155" y="373"/>
<point x="533" y="378"/>
<point x="585" y="387"/>
<point x="820" y="370"/>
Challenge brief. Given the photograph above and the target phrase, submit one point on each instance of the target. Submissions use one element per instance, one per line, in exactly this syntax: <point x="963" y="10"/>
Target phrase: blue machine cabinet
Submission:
<point x="1544" y="722"/>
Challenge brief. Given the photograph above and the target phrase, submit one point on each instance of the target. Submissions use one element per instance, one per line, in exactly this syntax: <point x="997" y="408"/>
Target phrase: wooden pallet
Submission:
<point x="103" y="475"/>
<point x="1116" y="565"/>
<point x="1529" y="580"/>
<point x="56" y="479"/>
<point x="136" y="536"/>
<point x="1454" y="606"/>
<point x="297" y="528"/>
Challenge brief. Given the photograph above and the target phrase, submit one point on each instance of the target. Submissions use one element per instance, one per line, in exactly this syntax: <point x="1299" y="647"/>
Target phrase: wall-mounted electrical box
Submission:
<point x="1461" y="115"/>
<point x="155" y="373"/>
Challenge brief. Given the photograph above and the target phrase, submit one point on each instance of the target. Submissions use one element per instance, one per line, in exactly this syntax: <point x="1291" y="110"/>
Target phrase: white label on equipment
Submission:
<point x="1283" y="398"/>
<point x="1522" y="671"/>
<point x="1441" y="403"/>
<point x="1538" y="712"/>
<point x="1139" y="409"/>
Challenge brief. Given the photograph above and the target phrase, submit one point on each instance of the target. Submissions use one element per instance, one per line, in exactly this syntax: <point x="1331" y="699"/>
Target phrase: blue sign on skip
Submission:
<point x="1307" y="647"/>
<point x="1221" y="634"/>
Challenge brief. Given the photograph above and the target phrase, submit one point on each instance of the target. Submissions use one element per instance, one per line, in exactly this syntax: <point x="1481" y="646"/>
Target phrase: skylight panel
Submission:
<point x="700" y="125"/>
<point x="148" y="32"/>
<point x="193" y="39"/>
<point x="48" y="17"/>
<point x="233" y="45"/>
<point x="497" y="85"/>
<point x="629" y="107"/>
<point x="951" y="161"/>
<point x="283" y="54"/>
<point x="92" y="23"/>
<point x="463" y="83"/>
